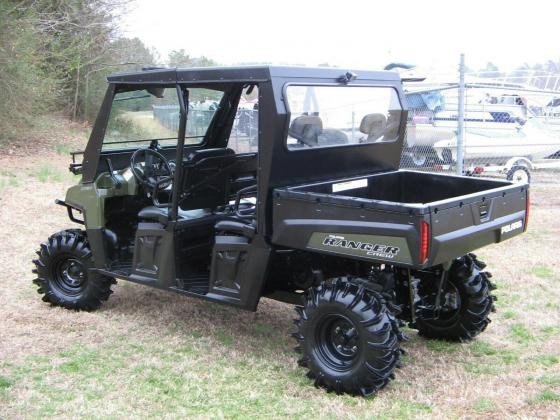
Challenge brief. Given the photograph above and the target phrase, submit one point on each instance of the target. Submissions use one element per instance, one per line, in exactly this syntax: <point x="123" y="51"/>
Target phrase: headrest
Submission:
<point x="199" y="154"/>
<point x="373" y="125"/>
<point x="306" y="128"/>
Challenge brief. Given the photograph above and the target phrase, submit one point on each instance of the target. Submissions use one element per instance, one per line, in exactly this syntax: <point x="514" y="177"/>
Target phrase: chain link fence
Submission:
<point x="509" y="125"/>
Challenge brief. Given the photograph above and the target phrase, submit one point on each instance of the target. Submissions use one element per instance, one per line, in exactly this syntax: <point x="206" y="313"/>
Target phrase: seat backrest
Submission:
<point x="306" y="128"/>
<point x="373" y="125"/>
<point x="206" y="178"/>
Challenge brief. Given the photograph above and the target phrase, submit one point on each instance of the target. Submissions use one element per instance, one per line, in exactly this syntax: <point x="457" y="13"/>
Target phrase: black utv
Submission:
<point x="310" y="209"/>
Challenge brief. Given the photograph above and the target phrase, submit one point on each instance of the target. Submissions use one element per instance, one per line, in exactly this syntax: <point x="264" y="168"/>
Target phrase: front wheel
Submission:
<point x="63" y="274"/>
<point x="348" y="338"/>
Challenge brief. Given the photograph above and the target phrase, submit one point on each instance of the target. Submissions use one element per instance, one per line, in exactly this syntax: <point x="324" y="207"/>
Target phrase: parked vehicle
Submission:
<point x="552" y="109"/>
<point x="510" y="149"/>
<point x="320" y="216"/>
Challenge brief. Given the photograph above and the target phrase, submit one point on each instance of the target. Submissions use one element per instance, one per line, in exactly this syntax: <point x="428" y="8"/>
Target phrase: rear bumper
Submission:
<point x="454" y="244"/>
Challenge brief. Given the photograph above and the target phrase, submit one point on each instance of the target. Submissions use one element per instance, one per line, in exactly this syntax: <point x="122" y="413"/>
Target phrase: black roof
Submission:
<point x="243" y="74"/>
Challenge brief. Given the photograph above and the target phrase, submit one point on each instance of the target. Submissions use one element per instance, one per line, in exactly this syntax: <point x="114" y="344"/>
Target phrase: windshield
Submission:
<point x="138" y="117"/>
<point x="327" y="116"/>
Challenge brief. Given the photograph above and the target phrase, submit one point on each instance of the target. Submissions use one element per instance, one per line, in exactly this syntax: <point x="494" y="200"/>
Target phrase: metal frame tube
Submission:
<point x="183" y="112"/>
<point x="461" y="116"/>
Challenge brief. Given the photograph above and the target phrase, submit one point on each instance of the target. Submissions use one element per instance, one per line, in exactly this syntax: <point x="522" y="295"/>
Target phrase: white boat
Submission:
<point x="532" y="141"/>
<point x="483" y="111"/>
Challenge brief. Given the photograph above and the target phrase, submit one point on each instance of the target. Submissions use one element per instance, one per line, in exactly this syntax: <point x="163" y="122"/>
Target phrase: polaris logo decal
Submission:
<point x="512" y="226"/>
<point x="374" y="250"/>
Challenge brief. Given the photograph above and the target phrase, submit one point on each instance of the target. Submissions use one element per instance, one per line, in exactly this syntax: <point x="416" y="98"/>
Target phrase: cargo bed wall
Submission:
<point x="405" y="187"/>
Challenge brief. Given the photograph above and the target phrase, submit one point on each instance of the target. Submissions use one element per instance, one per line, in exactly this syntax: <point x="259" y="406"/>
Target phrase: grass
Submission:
<point x="5" y="383"/>
<point x="8" y="179"/>
<point x="482" y="369"/>
<point x="484" y="404"/>
<point x="442" y="346"/>
<point x="553" y="380"/>
<point x="62" y="149"/>
<point x="171" y="382"/>
<point x="480" y="348"/>
<point x="48" y="173"/>
<point x="402" y="409"/>
<point x="546" y="397"/>
<point x="147" y="353"/>
<point x="546" y="359"/>
<point x="225" y="338"/>
<point x="550" y="330"/>
<point x="509" y="357"/>
<point x="521" y="334"/>
<point x="509" y="314"/>
<point x="543" y="272"/>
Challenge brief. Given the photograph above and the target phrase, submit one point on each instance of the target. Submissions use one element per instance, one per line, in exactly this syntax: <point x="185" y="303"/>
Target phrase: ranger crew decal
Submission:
<point x="375" y="247"/>
<point x="378" y="250"/>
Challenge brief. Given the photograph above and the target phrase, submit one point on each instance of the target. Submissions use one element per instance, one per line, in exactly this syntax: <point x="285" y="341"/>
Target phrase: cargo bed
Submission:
<point x="390" y="210"/>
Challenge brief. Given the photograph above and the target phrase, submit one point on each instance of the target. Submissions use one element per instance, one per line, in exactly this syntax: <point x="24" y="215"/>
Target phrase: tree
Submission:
<point x="491" y="70"/>
<point x="179" y="58"/>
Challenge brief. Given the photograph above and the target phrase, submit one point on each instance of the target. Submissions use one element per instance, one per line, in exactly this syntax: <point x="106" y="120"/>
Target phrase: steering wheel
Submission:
<point x="151" y="169"/>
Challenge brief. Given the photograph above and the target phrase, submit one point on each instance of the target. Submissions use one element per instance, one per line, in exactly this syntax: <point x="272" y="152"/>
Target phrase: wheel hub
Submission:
<point x="73" y="273"/>
<point x="344" y="338"/>
<point x="70" y="275"/>
<point x="338" y="341"/>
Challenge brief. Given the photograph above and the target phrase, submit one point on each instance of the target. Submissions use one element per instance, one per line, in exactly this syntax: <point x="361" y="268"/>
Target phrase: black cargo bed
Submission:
<point x="461" y="213"/>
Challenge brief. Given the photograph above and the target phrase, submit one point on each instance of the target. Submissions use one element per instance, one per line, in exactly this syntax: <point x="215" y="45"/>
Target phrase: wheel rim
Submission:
<point x="69" y="275"/>
<point x="520" y="175"/>
<point x="338" y="342"/>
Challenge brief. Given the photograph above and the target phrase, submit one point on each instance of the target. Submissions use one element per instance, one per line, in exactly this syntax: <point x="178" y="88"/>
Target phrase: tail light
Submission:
<point x="424" y="241"/>
<point x="527" y="211"/>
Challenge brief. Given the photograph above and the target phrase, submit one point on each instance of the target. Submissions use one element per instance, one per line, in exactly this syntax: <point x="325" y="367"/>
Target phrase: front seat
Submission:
<point x="161" y="214"/>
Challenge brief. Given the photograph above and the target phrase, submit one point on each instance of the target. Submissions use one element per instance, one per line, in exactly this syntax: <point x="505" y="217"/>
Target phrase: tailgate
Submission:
<point x="468" y="223"/>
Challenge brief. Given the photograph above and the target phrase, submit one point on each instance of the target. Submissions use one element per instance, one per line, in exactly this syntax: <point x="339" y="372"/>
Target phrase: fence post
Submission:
<point x="461" y="116"/>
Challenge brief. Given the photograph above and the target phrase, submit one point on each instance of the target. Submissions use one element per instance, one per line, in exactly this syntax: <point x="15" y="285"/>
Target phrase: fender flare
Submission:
<point x="518" y="161"/>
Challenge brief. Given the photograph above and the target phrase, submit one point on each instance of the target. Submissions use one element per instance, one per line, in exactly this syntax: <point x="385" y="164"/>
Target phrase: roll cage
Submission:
<point x="277" y="166"/>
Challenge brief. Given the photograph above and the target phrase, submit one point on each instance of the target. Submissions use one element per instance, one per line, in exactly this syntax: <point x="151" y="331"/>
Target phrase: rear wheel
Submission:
<point x="348" y="338"/>
<point x="466" y="302"/>
<point x="63" y="274"/>
<point x="519" y="173"/>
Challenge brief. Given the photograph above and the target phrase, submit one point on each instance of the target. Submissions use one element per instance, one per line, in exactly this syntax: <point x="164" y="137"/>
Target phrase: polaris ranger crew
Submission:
<point x="314" y="211"/>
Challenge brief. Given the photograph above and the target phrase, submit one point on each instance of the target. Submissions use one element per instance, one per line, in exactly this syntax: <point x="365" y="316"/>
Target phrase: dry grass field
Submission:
<point x="148" y="353"/>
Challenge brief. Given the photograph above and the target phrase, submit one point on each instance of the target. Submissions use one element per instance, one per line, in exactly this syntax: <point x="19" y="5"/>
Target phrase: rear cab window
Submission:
<point x="330" y="116"/>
